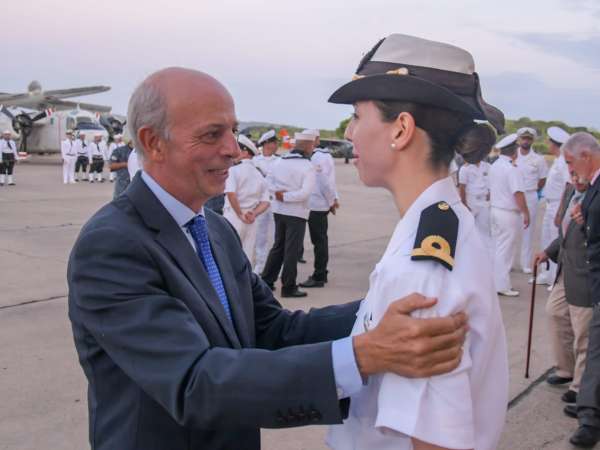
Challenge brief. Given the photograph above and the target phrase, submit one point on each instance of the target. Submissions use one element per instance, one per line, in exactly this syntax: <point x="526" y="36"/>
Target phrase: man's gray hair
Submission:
<point x="581" y="141"/>
<point x="147" y="108"/>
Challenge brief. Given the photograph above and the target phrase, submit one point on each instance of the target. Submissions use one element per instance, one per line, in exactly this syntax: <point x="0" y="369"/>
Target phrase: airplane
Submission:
<point x="41" y="118"/>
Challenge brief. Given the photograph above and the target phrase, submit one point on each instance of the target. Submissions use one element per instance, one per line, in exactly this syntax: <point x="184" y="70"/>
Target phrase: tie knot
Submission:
<point x="197" y="226"/>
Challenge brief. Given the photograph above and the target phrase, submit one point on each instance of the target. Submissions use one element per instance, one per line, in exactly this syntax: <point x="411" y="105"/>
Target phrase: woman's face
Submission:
<point x="372" y="139"/>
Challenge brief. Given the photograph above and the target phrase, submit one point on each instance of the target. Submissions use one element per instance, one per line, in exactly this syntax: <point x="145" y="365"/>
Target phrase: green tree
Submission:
<point x="341" y="129"/>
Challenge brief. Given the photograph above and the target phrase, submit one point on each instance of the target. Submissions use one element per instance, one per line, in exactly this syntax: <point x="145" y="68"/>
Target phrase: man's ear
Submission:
<point x="152" y="143"/>
<point x="403" y="131"/>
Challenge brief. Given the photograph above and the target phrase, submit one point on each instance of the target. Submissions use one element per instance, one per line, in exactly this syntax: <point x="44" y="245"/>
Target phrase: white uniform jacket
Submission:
<point x="264" y="164"/>
<point x="465" y="408"/>
<point x="558" y="177"/>
<point x="294" y="174"/>
<point x="96" y="149"/>
<point x="248" y="185"/>
<point x="477" y="183"/>
<point x="9" y="146"/>
<point x="532" y="167"/>
<point x="505" y="181"/>
<point x="325" y="192"/>
<point x="81" y="148"/>
<point x="68" y="149"/>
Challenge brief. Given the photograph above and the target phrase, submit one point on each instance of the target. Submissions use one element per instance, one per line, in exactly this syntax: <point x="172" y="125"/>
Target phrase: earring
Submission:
<point x="393" y="145"/>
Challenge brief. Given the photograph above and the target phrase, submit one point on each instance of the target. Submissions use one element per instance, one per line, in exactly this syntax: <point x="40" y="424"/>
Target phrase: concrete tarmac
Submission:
<point x="42" y="387"/>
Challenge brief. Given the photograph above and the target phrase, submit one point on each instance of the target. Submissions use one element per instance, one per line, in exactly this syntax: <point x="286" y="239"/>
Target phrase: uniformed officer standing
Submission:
<point x="97" y="151"/>
<point x="324" y="199"/>
<point x="508" y="211"/>
<point x="266" y="223"/>
<point x="558" y="177"/>
<point x="533" y="170"/>
<point x="246" y="196"/>
<point x="291" y="181"/>
<point x="8" y="155"/>
<point x="82" y="157"/>
<point x="474" y="187"/>
<point x="69" y="156"/>
<point x="118" y="166"/>
<point x="116" y="143"/>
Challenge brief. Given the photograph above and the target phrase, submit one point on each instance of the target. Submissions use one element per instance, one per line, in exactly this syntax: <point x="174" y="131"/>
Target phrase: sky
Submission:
<point x="281" y="59"/>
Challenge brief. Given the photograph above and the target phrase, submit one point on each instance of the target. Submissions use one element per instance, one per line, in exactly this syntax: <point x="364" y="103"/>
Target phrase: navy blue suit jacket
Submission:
<point x="166" y="368"/>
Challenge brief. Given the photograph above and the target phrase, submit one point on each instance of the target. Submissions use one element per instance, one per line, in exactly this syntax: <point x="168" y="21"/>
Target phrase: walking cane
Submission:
<point x="531" y="309"/>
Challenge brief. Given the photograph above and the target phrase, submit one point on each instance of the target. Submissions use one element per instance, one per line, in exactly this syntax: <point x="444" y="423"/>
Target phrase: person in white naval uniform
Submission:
<point x="83" y="157"/>
<point x="96" y="154"/>
<point x="474" y="188"/>
<point x="509" y="212"/>
<point x="68" y="152"/>
<point x="246" y="196"/>
<point x="323" y="200"/>
<point x="265" y="234"/>
<point x="406" y="147"/>
<point x="116" y="143"/>
<point x="533" y="169"/>
<point x="291" y="181"/>
<point x="558" y="177"/>
<point x="8" y="157"/>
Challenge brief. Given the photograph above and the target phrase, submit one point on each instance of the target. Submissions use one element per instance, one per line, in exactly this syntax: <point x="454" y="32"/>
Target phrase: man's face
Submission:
<point x="270" y="148"/>
<point x="6" y="136"/>
<point x="580" y="165"/>
<point x="525" y="142"/>
<point x="202" y="142"/>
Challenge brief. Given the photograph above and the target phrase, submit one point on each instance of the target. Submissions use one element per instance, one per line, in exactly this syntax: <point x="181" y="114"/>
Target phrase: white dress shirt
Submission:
<point x="558" y="176"/>
<point x="462" y="409"/>
<point x="81" y="148"/>
<point x="9" y="146"/>
<point x="295" y="175"/>
<point x="264" y="164"/>
<point x="248" y="185"/>
<point x="96" y="149"/>
<point x="532" y="168"/>
<point x="477" y="184"/>
<point x="325" y="192"/>
<point x="67" y="149"/>
<point x="505" y="181"/>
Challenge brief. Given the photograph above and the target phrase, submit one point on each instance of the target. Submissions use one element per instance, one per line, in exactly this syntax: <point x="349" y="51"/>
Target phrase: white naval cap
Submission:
<point x="506" y="141"/>
<point x="268" y="136"/>
<point x="7" y="132"/>
<point x="526" y="131"/>
<point x="69" y="132"/>
<point x="118" y="136"/>
<point x="558" y="135"/>
<point x="304" y="136"/>
<point x="247" y="144"/>
<point x="316" y="133"/>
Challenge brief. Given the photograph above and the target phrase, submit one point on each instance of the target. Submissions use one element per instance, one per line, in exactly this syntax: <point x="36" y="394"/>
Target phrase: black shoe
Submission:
<point x="585" y="436"/>
<point x="312" y="283"/>
<point x="295" y="293"/>
<point x="302" y="261"/>
<point x="570" y="411"/>
<point x="556" y="380"/>
<point x="569" y="397"/>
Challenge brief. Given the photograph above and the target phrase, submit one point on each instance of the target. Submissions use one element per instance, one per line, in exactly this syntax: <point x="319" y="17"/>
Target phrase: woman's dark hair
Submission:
<point x="448" y="131"/>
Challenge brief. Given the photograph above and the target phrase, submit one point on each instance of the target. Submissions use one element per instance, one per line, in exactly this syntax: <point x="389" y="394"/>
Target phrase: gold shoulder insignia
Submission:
<point x="436" y="235"/>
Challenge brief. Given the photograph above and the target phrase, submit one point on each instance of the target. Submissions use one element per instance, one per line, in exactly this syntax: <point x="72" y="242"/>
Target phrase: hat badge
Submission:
<point x="443" y="206"/>
<point x="399" y="71"/>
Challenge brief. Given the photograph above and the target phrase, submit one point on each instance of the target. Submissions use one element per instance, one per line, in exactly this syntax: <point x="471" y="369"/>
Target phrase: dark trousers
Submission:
<point x="289" y="235"/>
<point x="81" y="164"/>
<point x="588" y="398"/>
<point x="317" y="227"/>
<point x="7" y="164"/>
<point x="97" y="165"/>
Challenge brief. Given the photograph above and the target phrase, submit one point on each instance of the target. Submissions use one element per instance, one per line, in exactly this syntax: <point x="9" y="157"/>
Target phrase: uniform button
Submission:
<point x="588" y="261"/>
<point x="315" y="416"/>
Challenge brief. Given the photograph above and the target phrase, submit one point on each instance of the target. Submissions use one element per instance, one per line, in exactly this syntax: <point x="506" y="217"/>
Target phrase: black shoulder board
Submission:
<point x="436" y="236"/>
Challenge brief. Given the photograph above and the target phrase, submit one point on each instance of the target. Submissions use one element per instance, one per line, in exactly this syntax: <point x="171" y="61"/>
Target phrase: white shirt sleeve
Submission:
<point x="265" y="195"/>
<point x="325" y="182"/>
<point x="439" y="409"/>
<point x="463" y="174"/>
<point x="308" y="185"/>
<point x="542" y="167"/>
<point x="231" y="182"/>
<point x="515" y="181"/>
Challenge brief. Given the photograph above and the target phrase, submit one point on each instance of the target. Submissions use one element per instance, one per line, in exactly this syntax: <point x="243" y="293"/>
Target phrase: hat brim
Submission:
<point x="404" y="88"/>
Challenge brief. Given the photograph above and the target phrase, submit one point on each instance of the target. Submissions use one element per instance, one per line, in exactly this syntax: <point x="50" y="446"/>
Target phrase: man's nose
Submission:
<point x="232" y="147"/>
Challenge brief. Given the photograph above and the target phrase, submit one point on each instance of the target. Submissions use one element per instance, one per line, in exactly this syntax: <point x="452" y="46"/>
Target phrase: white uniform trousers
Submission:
<point x="506" y="226"/>
<point x="69" y="169"/>
<point x="527" y="243"/>
<point x="549" y="233"/>
<point x="481" y="212"/>
<point x="265" y="236"/>
<point x="247" y="232"/>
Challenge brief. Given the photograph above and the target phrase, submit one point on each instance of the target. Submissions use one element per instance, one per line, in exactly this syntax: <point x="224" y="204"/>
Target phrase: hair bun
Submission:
<point x="475" y="141"/>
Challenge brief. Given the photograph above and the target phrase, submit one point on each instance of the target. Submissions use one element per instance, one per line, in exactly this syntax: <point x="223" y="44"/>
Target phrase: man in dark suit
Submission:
<point x="582" y="154"/>
<point x="569" y="305"/>
<point x="183" y="346"/>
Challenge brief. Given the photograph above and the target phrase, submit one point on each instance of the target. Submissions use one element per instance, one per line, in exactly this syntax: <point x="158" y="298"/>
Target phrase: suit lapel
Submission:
<point x="173" y="240"/>
<point x="239" y="316"/>
<point x="589" y="197"/>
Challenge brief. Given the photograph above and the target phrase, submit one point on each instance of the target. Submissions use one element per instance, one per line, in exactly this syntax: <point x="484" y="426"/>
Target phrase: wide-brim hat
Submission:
<point x="246" y="144"/>
<point x="558" y="135"/>
<point x="410" y="69"/>
<point x="269" y="136"/>
<point x="527" y="132"/>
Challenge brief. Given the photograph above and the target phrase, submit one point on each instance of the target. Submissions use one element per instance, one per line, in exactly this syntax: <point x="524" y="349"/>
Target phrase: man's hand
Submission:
<point x="540" y="258"/>
<point x="577" y="214"/>
<point x="279" y="195"/>
<point x="414" y="348"/>
<point x="249" y="217"/>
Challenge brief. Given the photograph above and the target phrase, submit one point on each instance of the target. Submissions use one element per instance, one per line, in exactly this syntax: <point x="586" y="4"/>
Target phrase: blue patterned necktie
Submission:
<point x="199" y="231"/>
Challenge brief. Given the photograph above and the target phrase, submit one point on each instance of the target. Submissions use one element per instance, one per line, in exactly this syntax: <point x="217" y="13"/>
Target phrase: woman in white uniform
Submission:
<point x="415" y="104"/>
<point x="474" y="186"/>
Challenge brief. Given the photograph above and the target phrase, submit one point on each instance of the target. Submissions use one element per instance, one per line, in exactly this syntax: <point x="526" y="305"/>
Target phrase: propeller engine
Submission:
<point x="113" y="125"/>
<point x="22" y="123"/>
